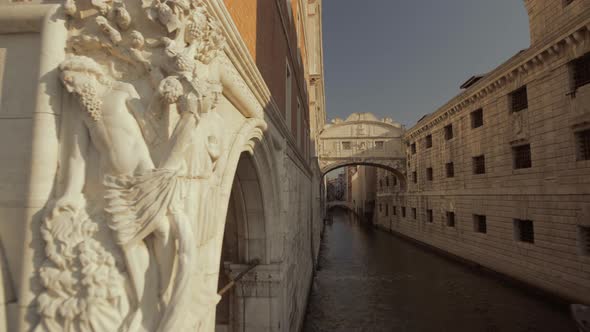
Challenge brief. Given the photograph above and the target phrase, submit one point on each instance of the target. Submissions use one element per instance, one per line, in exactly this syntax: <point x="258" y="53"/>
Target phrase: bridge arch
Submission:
<point x="394" y="168"/>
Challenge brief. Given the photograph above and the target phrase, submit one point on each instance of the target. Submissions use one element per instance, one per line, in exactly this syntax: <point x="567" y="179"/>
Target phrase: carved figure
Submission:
<point x="108" y="124"/>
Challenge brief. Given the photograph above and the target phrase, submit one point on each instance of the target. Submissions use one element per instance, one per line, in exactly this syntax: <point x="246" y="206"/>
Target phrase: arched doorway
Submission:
<point x="244" y="241"/>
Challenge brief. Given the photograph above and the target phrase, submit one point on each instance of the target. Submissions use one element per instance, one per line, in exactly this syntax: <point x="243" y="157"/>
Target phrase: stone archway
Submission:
<point x="244" y="240"/>
<point x="396" y="167"/>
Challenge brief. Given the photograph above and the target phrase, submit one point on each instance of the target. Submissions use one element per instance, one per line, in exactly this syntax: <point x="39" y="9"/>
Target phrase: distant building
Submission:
<point x="500" y="175"/>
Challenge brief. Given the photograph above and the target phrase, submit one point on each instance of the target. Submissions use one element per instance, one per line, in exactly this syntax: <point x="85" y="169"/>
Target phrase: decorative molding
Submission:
<point x="521" y="65"/>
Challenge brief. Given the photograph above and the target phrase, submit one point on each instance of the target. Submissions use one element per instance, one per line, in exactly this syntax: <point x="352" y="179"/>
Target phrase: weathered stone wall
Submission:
<point x="554" y="192"/>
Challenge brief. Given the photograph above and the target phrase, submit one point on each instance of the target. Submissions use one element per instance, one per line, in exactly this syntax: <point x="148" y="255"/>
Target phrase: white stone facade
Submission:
<point x="526" y="211"/>
<point x="144" y="163"/>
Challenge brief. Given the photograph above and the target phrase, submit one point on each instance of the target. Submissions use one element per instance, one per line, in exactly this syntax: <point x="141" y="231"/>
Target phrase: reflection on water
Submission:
<point x="372" y="281"/>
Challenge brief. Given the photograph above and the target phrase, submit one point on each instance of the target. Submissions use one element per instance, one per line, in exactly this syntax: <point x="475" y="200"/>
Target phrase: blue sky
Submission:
<point x="404" y="59"/>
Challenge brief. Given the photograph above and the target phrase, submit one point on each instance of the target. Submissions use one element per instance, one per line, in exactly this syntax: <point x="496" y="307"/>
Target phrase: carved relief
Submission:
<point x="147" y="77"/>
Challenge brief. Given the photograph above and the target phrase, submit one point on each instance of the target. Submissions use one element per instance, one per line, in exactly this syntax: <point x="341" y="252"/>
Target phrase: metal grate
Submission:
<point x="525" y="231"/>
<point x="479" y="165"/>
<point x="428" y="141"/>
<point x="450" y="219"/>
<point x="519" y="99"/>
<point x="480" y="223"/>
<point x="450" y="168"/>
<point x="583" y="144"/>
<point x="584" y="238"/>
<point x="448" y="132"/>
<point x="581" y="67"/>
<point x="429" y="216"/>
<point x="522" y="156"/>
<point x="477" y="118"/>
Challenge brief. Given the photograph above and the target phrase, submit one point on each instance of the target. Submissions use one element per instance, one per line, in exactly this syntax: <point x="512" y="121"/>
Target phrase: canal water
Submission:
<point x="369" y="280"/>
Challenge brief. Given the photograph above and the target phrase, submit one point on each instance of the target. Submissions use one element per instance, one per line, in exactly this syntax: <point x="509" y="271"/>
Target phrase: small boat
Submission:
<point x="581" y="314"/>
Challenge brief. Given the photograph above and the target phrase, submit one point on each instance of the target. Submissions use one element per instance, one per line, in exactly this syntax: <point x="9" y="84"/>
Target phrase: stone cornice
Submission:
<point x="518" y="67"/>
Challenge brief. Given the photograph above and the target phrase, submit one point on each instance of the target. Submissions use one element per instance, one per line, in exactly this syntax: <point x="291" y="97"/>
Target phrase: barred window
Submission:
<point x="346" y="146"/>
<point x="583" y="144"/>
<point x="519" y="99"/>
<point x="429" y="174"/>
<point x="522" y="156"/>
<point x="413" y="148"/>
<point x="450" y="168"/>
<point x="584" y="240"/>
<point x="415" y="177"/>
<point x="414" y="214"/>
<point x="428" y="141"/>
<point x="403" y="211"/>
<point x="480" y="223"/>
<point x="448" y="132"/>
<point x="450" y="219"/>
<point x="477" y="118"/>
<point x="479" y="165"/>
<point x="429" y="216"/>
<point x="581" y="69"/>
<point x="524" y="231"/>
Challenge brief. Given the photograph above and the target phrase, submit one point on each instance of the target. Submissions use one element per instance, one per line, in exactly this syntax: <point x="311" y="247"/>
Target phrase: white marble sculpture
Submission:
<point x="141" y="146"/>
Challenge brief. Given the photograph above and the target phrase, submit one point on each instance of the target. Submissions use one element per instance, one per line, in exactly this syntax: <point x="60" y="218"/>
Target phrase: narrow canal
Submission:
<point x="372" y="281"/>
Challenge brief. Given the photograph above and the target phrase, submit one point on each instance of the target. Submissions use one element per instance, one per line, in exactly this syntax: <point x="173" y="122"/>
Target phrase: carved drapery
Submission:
<point x="132" y="232"/>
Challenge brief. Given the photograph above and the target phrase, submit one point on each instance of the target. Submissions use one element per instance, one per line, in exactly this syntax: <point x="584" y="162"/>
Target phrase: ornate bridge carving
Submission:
<point x="362" y="139"/>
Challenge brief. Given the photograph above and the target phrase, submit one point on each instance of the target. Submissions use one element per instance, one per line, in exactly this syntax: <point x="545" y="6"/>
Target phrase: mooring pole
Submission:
<point x="232" y="283"/>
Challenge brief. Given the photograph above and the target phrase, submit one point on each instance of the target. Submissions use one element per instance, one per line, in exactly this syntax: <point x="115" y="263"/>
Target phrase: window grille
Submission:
<point x="448" y="132"/>
<point x="519" y="99"/>
<point x="581" y="68"/>
<point x="480" y="223"/>
<point x="429" y="174"/>
<point x="428" y="141"/>
<point x="583" y="144"/>
<point x="479" y="165"/>
<point x="429" y="216"/>
<point x="584" y="239"/>
<point x="450" y="219"/>
<point x="450" y="168"/>
<point x="524" y="230"/>
<point x="477" y="118"/>
<point x="522" y="156"/>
